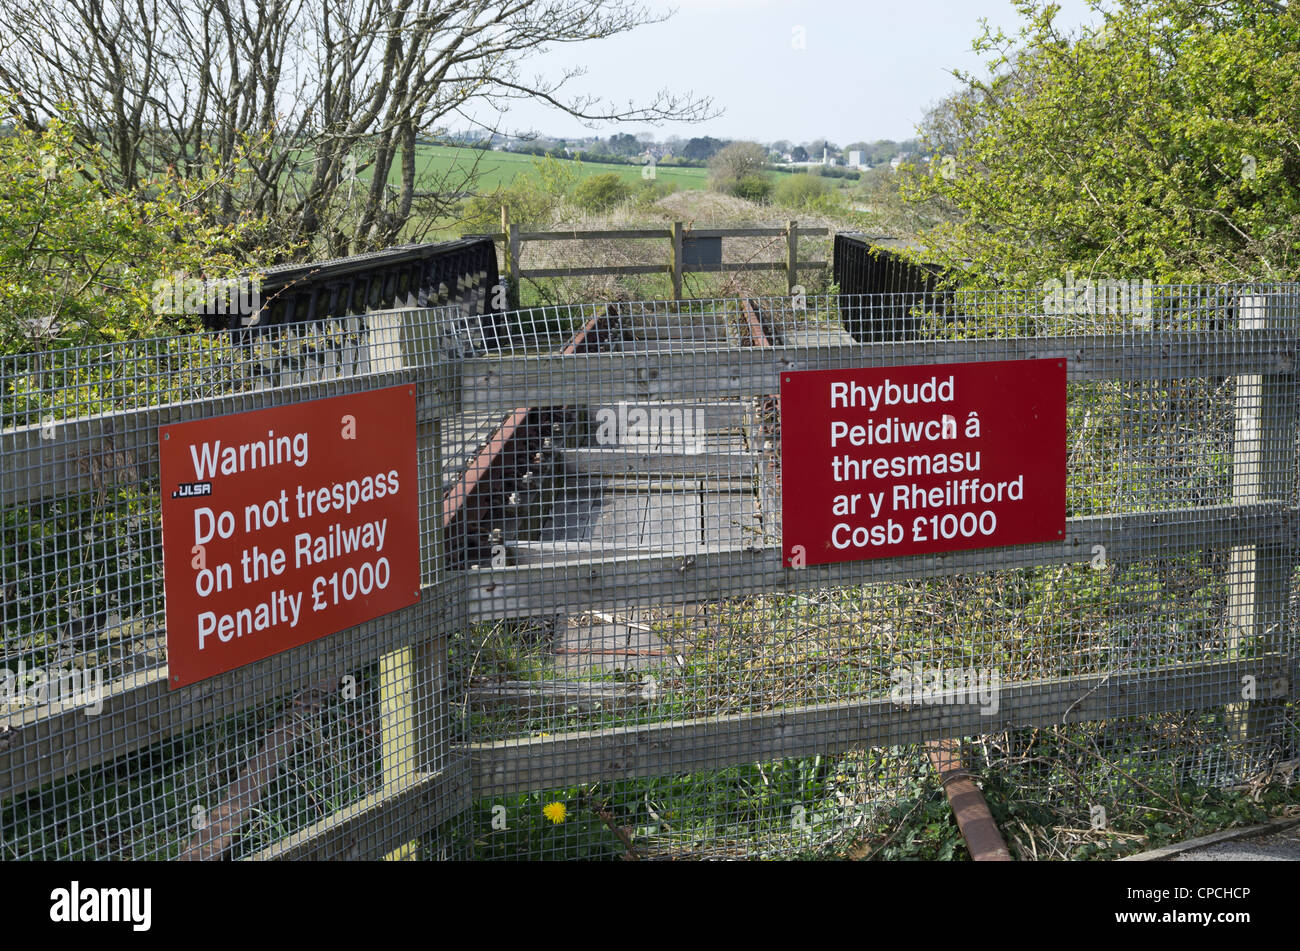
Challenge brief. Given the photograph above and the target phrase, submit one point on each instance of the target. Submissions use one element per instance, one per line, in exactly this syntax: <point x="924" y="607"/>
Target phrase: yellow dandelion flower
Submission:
<point x="557" y="812"/>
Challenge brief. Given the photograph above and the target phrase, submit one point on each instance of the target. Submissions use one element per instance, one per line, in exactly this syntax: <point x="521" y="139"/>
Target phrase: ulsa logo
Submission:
<point x="77" y="904"/>
<point x="192" y="490"/>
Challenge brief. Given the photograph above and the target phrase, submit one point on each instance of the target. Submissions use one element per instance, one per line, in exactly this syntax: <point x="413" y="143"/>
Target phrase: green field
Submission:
<point x="463" y="171"/>
<point x="498" y="169"/>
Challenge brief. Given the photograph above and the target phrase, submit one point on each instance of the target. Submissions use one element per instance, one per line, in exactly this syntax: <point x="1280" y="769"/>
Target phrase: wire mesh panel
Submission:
<point x="610" y="656"/>
<point x="337" y="748"/>
<point x="643" y="676"/>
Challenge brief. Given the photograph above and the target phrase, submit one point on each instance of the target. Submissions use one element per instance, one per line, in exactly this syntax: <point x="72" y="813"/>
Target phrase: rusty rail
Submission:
<point x="983" y="838"/>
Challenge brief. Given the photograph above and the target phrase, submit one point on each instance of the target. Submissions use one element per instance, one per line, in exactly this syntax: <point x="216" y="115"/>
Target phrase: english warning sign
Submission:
<point x="909" y="460"/>
<point x="284" y="525"/>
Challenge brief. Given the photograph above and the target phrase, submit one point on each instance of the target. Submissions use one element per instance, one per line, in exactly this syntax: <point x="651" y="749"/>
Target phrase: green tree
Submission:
<point x="1164" y="145"/>
<point x="702" y="149"/>
<point x="738" y="162"/>
<point x="625" y="144"/>
<point x="817" y="147"/>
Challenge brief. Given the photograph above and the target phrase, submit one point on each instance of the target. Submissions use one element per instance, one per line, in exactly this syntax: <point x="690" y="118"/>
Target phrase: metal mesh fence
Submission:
<point x="609" y="658"/>
<point x="335" y="748"/>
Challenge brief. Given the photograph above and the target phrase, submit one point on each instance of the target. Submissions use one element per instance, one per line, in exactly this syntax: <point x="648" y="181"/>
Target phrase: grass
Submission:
<point x="887" y="804"/>
<point x="498" y="169"/>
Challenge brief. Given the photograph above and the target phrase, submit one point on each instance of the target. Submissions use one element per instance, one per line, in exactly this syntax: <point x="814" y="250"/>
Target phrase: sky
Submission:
<point x="845" y="70"/>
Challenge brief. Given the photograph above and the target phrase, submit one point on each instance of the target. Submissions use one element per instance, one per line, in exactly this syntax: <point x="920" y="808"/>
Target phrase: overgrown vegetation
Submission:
<point x="79" y="260"/>
<point x="601" y="192"/>
<point x="1165" y="146"/>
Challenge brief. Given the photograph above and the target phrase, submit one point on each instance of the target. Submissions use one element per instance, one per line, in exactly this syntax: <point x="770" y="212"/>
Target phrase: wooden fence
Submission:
<point x="675" y="265"/>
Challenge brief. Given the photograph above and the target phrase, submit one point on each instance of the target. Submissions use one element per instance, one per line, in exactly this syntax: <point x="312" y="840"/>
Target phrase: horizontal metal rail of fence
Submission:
<point x="609" y="655"/>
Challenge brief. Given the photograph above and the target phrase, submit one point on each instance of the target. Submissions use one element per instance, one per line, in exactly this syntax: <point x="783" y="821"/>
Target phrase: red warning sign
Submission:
<point x="908" y="460"/>
<point x="284" y="525"/>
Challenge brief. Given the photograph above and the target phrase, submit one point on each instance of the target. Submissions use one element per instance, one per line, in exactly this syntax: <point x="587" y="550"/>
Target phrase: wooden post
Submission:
<point x="512" y="232"/>
<point x="397" y="685"/>
<point x="506" y="269"/>
<point x="412" y="680"/>
<point x="1263" y="468"/>
<point x="791" y="255"/>
<point x="676" y="260"/>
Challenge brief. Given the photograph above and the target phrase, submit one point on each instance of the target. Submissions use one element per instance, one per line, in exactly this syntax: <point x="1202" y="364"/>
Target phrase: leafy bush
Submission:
<point x="834" y="171"/>
<point x="799" y="191"/>
<point x="557" y="177"/>
<point x="752" y="188"/>
<point x="526" y="200"/>
<point x="601" y="192"/>
<point x="1196" y="109"/>
<point x="78" y="263"/>
<point x="530" y="200"/>
<point x="649" y="191"/>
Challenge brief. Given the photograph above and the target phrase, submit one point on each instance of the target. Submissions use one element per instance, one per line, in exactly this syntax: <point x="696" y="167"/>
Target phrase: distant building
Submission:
<point x="858" y="158"/>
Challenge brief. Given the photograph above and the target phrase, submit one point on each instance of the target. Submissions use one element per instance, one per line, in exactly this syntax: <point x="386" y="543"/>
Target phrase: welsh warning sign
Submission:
<point x="284" y="525"/>
<point x="908" y="460"/>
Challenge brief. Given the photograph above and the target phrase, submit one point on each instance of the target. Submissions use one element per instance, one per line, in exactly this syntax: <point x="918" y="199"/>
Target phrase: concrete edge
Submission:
<point x="1166" y="852"/>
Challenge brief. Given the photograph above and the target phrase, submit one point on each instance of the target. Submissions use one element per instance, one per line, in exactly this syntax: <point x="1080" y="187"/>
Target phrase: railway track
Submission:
<point x="557" y="484"/>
